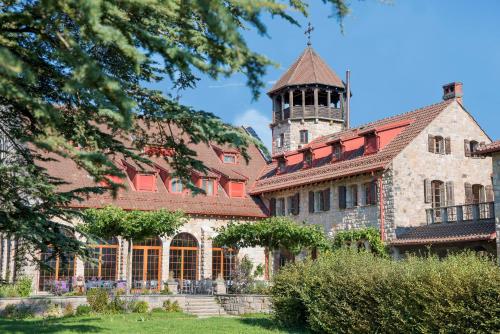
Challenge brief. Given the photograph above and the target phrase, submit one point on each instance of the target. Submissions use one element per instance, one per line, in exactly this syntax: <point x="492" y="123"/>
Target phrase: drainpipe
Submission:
<point x="381" y="207"/>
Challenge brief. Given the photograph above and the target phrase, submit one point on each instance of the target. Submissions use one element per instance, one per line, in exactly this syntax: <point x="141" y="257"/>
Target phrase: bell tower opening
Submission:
<point x="309" y="98"/>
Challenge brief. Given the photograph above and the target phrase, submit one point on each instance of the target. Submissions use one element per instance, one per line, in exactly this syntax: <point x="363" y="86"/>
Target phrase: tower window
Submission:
<point x="280" y="141"/>
<point x="304" y="136"/>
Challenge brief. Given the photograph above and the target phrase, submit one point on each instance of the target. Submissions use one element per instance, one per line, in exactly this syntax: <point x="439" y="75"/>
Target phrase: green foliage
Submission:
<point x="20" y="311"/>
<point x="136" y="225"/>
<point x="22" y="288"/>
<point x="357" y="292"/>
<point x="140" y="306"/>
<point x="171" y="307"/>
<point x="75" y="75"/>
<point x="82" y="310"/>
<point x="68" y="310"/>
<point x="355" y="238"/>
<point x="273" y="233"/>
<point x="117" y="305"/>
<point x="98" y="300"/>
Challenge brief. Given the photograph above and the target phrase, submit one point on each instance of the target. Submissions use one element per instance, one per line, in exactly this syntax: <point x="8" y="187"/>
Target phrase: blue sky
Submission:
<point x="400" y="55"/>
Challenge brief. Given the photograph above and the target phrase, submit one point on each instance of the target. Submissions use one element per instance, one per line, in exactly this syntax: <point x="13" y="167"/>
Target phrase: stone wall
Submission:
<point x="496" y="187"/>
<point x="415" y="164"/>
<point x="291" y="130"/>
<point x="245" y="304"/>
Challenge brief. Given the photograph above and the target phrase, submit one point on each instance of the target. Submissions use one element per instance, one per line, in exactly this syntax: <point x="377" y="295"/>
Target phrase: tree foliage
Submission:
<point x="74" y="77"/>
<point x="134" y="225"/>
<point x="351" y="238"/>
<point x="273" y="233"/>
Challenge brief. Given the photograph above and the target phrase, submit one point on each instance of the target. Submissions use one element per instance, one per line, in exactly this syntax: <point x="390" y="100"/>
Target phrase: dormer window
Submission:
<point x="308" y="159"/>
<point x="371" y="143"/>
<point x="281" y="165"/>
<point x="229" y="158"/>
<point x="176" y="185"/>
<point x="208" y="186"/>
<point x="336" y="152"/>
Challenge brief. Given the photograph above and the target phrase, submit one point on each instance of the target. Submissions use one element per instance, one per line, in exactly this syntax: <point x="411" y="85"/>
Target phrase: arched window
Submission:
<point x="146" y="264"/>
<point x="223" y="262"/>
<point x="184" y="257"/>
<point x="104" y="266"/>
<point x="56" y="268"/>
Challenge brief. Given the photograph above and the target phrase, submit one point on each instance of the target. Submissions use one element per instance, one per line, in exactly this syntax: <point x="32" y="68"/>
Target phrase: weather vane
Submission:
<point x="308" y="32"/>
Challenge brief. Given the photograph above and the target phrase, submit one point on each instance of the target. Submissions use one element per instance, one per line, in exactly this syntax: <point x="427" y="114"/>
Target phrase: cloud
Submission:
<point x="271" y="82"/>
<point x="259" y="122"/>
<point x="230" y="84"/>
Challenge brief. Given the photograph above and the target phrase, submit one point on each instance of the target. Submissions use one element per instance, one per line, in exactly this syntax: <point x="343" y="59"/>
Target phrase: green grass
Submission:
<point x="170" y="323"/>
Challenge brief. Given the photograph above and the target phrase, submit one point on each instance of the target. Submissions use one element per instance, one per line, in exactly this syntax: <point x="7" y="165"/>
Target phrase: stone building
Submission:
<point x="415" y="176"/>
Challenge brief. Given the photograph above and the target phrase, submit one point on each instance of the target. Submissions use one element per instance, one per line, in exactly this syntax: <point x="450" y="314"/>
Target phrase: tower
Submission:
<point x="309" y="101"/>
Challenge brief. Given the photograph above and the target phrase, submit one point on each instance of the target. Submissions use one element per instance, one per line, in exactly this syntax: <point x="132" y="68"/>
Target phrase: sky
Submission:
<point x="400" y="54"/>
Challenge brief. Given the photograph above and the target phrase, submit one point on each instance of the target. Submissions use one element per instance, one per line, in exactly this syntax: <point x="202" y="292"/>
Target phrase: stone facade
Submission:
<point x="415" y="164"/>
<point x="291" y="130"/>
<point x="496" y="188"/>
<point x="245" y="304"/>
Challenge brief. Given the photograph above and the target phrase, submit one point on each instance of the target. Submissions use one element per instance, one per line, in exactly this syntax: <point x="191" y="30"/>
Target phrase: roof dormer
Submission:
<point x="337" y="149"/>
<point x="227" y="155"/>
<point x="372" y="142"/>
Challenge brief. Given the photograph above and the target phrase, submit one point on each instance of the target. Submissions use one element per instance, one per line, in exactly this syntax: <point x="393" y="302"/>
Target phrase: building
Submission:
<point x="418" y="177"/>
<point x="415" y="176"/>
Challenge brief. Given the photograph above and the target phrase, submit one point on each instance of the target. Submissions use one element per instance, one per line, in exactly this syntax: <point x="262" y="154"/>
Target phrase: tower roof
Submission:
<point x="309" y="68"/>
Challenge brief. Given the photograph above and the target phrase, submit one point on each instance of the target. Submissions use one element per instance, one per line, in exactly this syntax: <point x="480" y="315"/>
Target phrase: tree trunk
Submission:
<point x="129" y="267"/>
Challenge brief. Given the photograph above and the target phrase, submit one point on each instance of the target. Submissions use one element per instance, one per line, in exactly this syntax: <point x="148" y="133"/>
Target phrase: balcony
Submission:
<point x="462" y="213"/>
<point x="298" y="112"/>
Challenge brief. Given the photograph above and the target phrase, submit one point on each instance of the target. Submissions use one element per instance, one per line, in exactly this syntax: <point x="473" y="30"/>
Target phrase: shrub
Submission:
<point x="171" y="307"/>
<point x="21" y="311"/>
<point x="140" y="307"/>
<point x="53" y="311"/>
<point x="98" y="300"/>
<point x="357" y="292"/>
<point x="83" y="310"/>
<point x="8" y="290"/>
<point x="68" y="310"/>
<point x="158" y="310"/>
<point x="117" y="305"/>
<point x="23" y="286"/>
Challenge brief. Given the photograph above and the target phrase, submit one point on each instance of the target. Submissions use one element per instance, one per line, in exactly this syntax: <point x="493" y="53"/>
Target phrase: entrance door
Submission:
<point x="146" y="264"/>
<point x="184" y="257"/>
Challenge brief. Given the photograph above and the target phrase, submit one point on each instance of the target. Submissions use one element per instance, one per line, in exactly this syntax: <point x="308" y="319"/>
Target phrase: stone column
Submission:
<point x="316" y="103"/>
<point x="282" y="106"/>
<point x="303" y="102"/>
<point x="207" y="261"/>
<point x="79" y="267"/>
<point x="290" y="102"/>
<point x="123" y="259"/>
<point x="11" y="260"/>
<point x="165" y="259"/>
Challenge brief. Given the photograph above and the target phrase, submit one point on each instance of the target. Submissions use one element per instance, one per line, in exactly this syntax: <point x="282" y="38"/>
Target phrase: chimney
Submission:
<point x="453" y="90"/>
<point x="348" y="99"/>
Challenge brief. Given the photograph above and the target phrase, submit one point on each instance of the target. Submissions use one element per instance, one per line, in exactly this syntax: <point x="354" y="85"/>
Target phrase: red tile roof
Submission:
<point x="490" y="148"/>
<point x="220" y="205"/>
<point x="356" y="164"/>
<point x="309" y="68"/>
<point x="446" y="233"/>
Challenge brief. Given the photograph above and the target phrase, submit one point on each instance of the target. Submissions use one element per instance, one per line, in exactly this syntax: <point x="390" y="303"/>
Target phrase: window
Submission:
<point x="337" y="151"/>
<point x="304" y="136"/>
<point x="352" y="196"/>
<point x="223" y="262"/>
<point x="104" y="264"/>
<point x="471" y="147"/>
<point x="438" y="194"/>
<point x="146" y="264"/>
<point x="293" y="203"/>
<point x="370" y="193"/>
<point x="183" y="262"/>
<point x="280" y="207"/>
<point x="439" y="145"/>
<point x="478" y="194"/>
<point x="308" y="159"/>
<point x="371" y="143"/>
<point x="229" y="159"/>
<point x="319" y="200"/>
<point x="62" y="270"/>
<point x="280" y="141"/>
<point x="208" y="186"/>
<point x="176" y="185"/>
<point x="281" y="165"/>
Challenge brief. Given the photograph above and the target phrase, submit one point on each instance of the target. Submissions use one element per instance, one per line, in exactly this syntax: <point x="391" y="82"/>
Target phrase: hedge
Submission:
<point x="350" y="292"/>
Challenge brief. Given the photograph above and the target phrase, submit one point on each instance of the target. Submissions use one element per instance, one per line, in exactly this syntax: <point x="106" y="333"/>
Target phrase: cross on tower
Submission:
<point x="308" y="32"/>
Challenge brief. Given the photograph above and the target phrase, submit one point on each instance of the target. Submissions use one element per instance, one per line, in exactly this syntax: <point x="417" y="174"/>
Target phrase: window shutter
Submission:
<point x="311" y="202"/>
<point x="490" y="195"/>
<point x="272" y="206"/>
<point x="326" y="199"/>
<point x="469" y="196"/>
<point x="373" y="192"/>
<point x="427" y="191"/>
<point x="342" y="197"/>
<point x="447" y="144"/>
<point x="296" y="201"/>
<point x="450" y="193"/>
<point x="467" y="148"/>
<point x="431" y="144"/>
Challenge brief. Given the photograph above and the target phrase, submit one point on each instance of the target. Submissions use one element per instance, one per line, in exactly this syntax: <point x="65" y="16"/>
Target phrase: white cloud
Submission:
<point x="259" y="122"/>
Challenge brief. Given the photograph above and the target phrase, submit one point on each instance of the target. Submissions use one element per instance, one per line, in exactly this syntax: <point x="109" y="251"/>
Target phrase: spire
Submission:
<point x="309" y="68"/>
<point x="308" y="32"/>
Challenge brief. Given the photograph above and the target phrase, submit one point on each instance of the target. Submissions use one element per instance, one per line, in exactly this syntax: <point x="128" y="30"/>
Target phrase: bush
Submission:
<point x="140" y="307"/>
<point x="20" y="311"/>
<point x="171" y="307"/>
<point x="68" y="310"/>
<point x="22" y="288"/>
<point x="117" y="305"/>
<point x="53" y="311"/>
<point x="83" y="310"/>
<point x="357" y="292"/>
<point x="98" y="300"/>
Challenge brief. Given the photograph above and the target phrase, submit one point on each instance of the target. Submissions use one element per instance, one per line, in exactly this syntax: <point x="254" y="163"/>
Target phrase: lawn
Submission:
<point x="170" y="323"/>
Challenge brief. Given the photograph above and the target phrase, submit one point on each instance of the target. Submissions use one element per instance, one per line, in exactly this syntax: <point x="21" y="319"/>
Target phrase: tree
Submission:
<point x="272" y="233"/>
<point x="131" y="225"/>
<point x="73" y="78"/>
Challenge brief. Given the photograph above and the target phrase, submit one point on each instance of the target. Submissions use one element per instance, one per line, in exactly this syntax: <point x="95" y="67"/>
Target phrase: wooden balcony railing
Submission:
<point x="461" y="213"/>
<point x="308" y="112"/>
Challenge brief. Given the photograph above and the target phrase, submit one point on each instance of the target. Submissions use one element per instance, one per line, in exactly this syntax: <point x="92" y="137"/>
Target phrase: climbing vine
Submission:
<point x="371" y="235"/>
